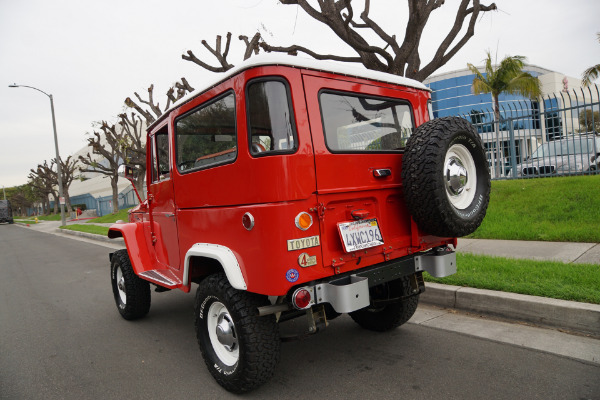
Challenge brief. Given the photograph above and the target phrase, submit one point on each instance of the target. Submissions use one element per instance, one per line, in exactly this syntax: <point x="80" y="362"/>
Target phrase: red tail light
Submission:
<point x="302" y="299"/>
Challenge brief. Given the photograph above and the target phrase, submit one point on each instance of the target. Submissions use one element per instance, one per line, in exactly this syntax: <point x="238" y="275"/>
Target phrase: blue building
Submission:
<point x="452" y="93"/>
<point x="524" y="123"/>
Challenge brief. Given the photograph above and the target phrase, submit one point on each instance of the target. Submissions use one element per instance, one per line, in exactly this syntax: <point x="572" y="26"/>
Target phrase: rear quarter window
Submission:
<point x="270" y="117"/>
<point x="206" y="136"/>
<point x="357" y="123"/>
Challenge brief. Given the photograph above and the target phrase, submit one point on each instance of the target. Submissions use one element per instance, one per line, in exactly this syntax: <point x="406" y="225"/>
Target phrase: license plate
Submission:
<point x="360" y="235"/>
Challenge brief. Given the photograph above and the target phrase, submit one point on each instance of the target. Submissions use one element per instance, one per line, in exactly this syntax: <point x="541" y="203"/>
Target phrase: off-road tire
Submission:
<point x="258" y="342"/>
<point x="136" y="303"/>
<point x="389" y="316"/>
<point x="425" y="183"/>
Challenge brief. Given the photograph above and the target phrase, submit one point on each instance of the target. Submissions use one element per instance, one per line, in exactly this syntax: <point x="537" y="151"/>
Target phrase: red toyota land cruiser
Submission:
<point x="296" y="188"/>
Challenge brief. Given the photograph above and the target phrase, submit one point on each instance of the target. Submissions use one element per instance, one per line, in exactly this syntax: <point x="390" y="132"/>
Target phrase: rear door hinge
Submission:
<point x="320" y="210"/>
<point x="386" y="252"/>
<point x="336" y="264"/>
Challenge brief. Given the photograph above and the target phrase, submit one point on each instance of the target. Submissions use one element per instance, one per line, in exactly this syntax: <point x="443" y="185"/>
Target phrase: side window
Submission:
<point x="355" y="123"/>
<point x="160" y="155"/>
<point x="206" y="136"/>
<point x="270" y="118"/>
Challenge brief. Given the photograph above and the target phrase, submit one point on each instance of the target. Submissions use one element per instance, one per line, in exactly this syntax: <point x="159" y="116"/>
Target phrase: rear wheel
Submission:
<point x="240" y="348"/>
<point x="383" y="318"/>
<point x="132" y="294"/>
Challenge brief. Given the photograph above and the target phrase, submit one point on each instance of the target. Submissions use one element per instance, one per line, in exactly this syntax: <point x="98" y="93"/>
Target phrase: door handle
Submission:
<point x="382" y="173"/>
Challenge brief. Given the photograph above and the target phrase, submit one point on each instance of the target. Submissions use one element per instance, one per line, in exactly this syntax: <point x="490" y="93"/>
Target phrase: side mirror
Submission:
<point x="126" y="171"/>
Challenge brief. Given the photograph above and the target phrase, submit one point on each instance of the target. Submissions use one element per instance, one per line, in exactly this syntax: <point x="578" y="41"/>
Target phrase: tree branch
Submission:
<point x="251" y="45"/>
<point x="221" y="57"/>
<point x="443" y="55"/>
<point x="178" y="91"/>
<point x="294" y="49"/>
<point x="390" y="56"/>
<point x="150" y="102"/>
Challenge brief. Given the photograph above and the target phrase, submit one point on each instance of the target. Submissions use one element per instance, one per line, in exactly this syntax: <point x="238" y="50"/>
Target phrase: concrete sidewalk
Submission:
<point x="573" y="316"/>
<point x="582" y="253"/>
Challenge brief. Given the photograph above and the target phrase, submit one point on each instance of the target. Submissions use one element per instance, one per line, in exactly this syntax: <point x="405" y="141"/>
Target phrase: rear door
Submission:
<point x="359" y="131"/>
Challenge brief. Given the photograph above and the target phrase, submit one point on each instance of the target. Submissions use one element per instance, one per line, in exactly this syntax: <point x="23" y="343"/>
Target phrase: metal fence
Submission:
<point x="103" y="205"/>
<point x="127" y="198"/>
<point x="559" y="135"/>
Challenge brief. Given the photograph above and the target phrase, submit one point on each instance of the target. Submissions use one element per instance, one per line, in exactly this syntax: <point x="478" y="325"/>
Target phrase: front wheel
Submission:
<point x="132" y="294"/>
<point x="240" y="348"/>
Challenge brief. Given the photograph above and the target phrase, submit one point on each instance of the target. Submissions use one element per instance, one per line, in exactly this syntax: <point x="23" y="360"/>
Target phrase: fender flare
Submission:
<point x="135" y="242"/>
<point x="223" y="255"/>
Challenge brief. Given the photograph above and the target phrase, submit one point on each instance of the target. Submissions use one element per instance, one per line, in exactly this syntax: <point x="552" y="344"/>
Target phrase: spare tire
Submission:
<point x="446" y="178"/>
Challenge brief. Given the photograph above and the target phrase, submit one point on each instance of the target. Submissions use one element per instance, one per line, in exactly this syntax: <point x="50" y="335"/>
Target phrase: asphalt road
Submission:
<point x="61" y="337"/>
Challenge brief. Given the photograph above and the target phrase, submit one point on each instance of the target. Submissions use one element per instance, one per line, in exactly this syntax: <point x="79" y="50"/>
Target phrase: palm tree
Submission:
<point x="507" y="77"/>
<point x="592" y="73"/>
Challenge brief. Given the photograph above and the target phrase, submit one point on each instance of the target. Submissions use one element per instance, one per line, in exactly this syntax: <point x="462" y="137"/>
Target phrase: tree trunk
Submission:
<point x="55" y="203"/>
<point x="115" y="193"/>
<point x="68" y="203"/>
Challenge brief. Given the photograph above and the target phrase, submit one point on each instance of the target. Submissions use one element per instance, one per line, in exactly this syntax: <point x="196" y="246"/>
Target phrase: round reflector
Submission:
<point x="248" y="221"/>
<point x="304" y="221"/>
<point x="301" y="298"/>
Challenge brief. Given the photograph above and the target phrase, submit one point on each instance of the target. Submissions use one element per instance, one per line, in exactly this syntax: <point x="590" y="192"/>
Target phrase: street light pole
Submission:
<point x="58" y="166"/>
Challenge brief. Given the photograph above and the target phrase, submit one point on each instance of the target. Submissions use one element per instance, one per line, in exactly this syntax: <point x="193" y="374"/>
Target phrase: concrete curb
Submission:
<point x="90" y="236"/>
<point x="553" y="313"/>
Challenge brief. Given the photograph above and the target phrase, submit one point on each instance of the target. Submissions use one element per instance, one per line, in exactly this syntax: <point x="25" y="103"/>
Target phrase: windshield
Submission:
<point x="566" y="148"/>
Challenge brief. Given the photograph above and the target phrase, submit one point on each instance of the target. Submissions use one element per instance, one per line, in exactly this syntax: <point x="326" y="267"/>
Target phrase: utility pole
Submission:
<point x="58" y="162"/>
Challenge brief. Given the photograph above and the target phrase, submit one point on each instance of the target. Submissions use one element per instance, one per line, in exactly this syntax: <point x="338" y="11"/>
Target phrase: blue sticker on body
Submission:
<point x="292" y="275"/>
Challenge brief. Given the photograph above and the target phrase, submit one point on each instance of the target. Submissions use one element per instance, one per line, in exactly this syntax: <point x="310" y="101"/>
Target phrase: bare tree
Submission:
<point x="132" y="126"/>
<point x="45" y="180"/>
<point x="387" y="55"/>
<point x="21" y="199"/>
<point x="67" y="169"/>
<point x="176" y="92"/>
<point x="112" y="155"/>
<point x="38" y="193"/>
<point x="134" y="149"/>
<point x="252" y="47"/>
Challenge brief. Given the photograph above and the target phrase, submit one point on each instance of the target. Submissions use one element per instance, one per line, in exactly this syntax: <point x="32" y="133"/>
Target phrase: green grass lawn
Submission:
<point x="95" y="229"/>
<point x="576" y="282"/>
<point x="51" y="217"/>
<point x="111" y="218"/>
<point x="563" y="209"/>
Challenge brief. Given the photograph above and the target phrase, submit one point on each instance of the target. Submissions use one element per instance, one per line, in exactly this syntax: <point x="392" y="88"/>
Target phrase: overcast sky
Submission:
<point x="91" y="55"/>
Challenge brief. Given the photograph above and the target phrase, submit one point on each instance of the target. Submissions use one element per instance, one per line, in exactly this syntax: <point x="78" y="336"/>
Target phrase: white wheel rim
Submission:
<point x="121" y="286"/>
<point x="222" y="334"/>
<point x="460" y="176"/>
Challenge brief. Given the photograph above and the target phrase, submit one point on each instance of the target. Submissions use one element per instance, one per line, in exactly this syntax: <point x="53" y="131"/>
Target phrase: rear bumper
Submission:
<point x="350" y="292"/>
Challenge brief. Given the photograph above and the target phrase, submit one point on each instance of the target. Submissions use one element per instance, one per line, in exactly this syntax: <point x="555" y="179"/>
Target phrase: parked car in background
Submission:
<point x="6" y="212"/>
<point x="575" y="155"/>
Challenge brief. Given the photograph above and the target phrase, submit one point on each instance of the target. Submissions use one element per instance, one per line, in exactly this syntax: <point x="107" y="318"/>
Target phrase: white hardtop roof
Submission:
<point x="301" y="62"/>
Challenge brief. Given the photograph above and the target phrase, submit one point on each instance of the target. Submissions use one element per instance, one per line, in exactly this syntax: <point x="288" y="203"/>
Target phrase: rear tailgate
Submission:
<point x="357" y="129"/>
